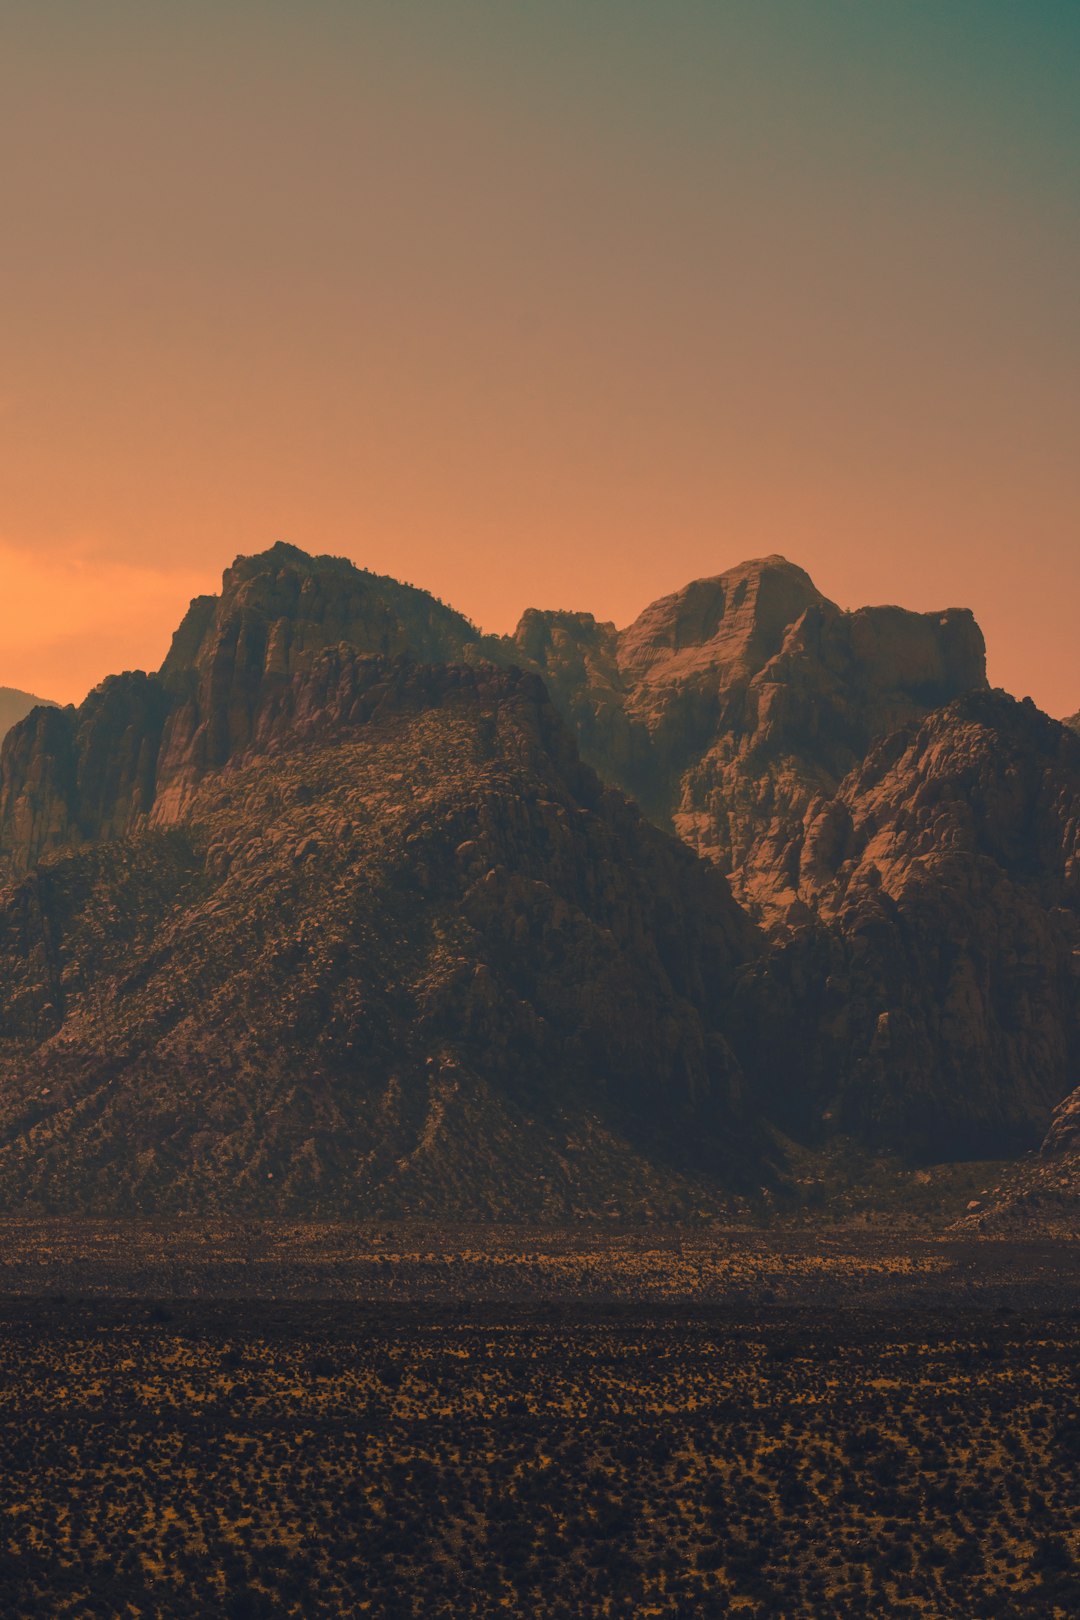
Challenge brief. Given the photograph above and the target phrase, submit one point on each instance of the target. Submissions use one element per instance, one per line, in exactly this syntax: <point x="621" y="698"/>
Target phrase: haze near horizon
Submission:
<point x="554" y="306"/>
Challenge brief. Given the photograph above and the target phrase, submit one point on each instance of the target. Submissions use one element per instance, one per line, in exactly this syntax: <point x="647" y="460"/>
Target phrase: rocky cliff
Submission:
<point x="727" y="708"/>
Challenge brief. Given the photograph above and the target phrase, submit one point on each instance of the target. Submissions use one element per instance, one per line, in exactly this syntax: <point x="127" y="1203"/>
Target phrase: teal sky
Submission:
<point x="539" y="304"/>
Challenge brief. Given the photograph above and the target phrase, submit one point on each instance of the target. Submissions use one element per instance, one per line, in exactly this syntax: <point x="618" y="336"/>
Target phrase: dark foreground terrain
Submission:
<point x="788" y="1428"/>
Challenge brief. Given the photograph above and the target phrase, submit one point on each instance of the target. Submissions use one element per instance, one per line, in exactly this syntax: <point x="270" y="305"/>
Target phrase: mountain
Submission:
<point x="400" y="952"/>
<point x="1072" y="721"/>
<point x="927" y="998"/>
<point x="331" y="913"/>
<point x="907" y="837"/>
<point x="729" y="707"/>
<point x="15" y="705"/>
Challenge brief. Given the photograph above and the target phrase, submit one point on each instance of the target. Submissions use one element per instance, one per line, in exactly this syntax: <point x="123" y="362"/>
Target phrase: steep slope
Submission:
<point x="728" y="707"/>
<point x="15" y="705"/>
<point x="928" y="998"/>
<point x="402" y="953"/>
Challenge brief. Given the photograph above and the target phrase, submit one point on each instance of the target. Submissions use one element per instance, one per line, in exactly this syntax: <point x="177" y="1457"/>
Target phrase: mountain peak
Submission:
<point x="740" y="615"/>
<point x="280" y="607"/>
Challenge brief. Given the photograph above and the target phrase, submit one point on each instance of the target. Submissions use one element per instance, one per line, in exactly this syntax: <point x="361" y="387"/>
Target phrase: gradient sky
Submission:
<point x="552" y="304"/>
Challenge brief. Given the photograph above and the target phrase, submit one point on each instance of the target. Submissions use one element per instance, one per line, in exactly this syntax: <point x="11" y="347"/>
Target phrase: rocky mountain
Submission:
<point x="329" y="915"/>
<point x="399" y="953"/>
<point x="15" y="705"/>
<point x="1072" y="721"/>
<point x="727" y="709"/>
<point x="907" y="837"/>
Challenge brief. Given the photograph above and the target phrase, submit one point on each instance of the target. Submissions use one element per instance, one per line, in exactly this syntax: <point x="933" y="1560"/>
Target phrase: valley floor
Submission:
<point x="283" y="1420"/>
<point x="444" y="1265"/>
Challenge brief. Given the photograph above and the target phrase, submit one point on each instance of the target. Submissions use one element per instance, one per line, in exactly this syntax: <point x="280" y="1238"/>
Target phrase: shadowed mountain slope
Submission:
<point x="928" y="994"/>
<point x="401" y="954"/>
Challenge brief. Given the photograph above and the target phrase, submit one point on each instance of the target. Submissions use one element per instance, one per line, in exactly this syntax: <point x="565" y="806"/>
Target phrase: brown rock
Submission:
<point x="732" y="706"/>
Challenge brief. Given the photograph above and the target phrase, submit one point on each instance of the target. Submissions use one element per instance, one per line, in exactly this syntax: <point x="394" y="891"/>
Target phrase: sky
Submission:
<point x="538" y="304"/>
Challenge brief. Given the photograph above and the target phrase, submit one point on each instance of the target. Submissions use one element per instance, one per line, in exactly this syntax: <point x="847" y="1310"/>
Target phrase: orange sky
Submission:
<point x="555" y="306"/>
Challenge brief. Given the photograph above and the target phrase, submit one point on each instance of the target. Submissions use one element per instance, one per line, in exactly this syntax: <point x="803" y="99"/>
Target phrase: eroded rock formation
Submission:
<point x="729" y="707"/>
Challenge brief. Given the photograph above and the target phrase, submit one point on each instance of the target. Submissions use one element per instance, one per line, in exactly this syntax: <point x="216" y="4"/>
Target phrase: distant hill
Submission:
<point x="14" y="705"/>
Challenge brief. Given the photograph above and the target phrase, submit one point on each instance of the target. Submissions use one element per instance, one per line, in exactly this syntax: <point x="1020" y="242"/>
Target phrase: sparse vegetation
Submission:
<point x="805" y="1445"/>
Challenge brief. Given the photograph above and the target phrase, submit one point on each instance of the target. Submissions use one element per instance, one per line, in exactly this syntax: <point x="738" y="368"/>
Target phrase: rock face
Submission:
<point x="401" y="953"/>
<point x="729" y="707"/>
<point x="275" y="614"/>
<point x="928" y="996"/>
<point x="72" y="775"/>
<point x="1072" y="721"/>
<point x="15" y="706"/>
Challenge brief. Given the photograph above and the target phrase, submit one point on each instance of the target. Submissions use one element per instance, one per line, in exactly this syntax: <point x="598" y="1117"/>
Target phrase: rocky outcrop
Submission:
<point x="15" y="706"/>
<point x="277" y="610"/>
<point x="724" y="710"/>
<point x="69" y="776"/>
<point x="927" y="997"/>
<point x="1072" y="721"/>
<point x="727" y="708"/>
<point x="405" y="954"/>
<point x="1063" y="1137"/>
<point x="276" y="613"/>
<point x="577" y="658"/>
